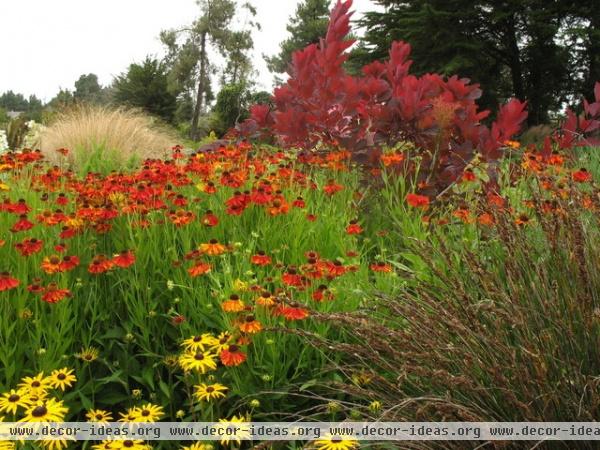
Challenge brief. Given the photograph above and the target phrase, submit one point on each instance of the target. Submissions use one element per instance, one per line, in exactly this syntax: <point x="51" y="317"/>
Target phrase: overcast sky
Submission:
<point x="47" y="44"/>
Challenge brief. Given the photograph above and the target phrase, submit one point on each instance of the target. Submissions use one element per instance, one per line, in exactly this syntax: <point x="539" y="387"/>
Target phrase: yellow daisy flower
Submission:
<point x="242" y="433"/>
<point x="10" y="401"/>
<point x="37" y="385"/>
<point x="336" y="443"/>
<point x="88" y="354"/>
<point x="62" y="378"/>
<point x="222" y="341"/>
<point x="49" y="410"/>
<point x="148" y="413"/>
<point x="198" y="361"/>
<point x="199" y="343"/>
<point x="209" y="392"/>
<point x="98" y="415"/>
<point x="198" y="446"/>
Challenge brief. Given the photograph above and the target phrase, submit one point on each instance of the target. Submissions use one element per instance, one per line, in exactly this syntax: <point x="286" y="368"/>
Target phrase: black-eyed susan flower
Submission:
<point x="198" y="446"/>
<point x="62" y="378"/>
<point x="336" y="443"/>
<point x="241" y="433"/>
<point x="37" y="385"/>
<point x="48" y="410"/>
<point x="88" y="354"/>
<point x="201" y="362"/>
<point x="208" y="392"/>
<point x="10" y="401"/>
<point x="199" y="343"/>
<point x="98" y="415"/>
<point x="148" y="413"/>
<point x="222" y="341"/>
<point x="128" y="444"/>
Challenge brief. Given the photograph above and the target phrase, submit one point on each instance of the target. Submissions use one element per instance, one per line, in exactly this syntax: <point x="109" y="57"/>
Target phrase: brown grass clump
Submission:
<point x="93" y="133"/>
<point x="506" y="332"/>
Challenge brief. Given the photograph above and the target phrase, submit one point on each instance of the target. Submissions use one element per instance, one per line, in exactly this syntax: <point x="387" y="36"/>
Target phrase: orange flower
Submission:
<point x="233" y="304"/>
<point x="265" y="299"/>
<point x="332" y="187"/>
<point x="232" y="356"/>
<point x="250" y="325"/>
<point x="200" y="268"/>
<point x="417" y="201"/>
<point x="209" y="219"/>
<point x="212" y="248"/>
<point x="380" y="266"/>
<point x="485" y="219"/>
<point x="7" y="282"/>
<point x="52" y="264"/>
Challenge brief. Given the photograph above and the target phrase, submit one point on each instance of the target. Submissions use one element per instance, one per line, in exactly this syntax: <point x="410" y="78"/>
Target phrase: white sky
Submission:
<point x="47" y="44"/>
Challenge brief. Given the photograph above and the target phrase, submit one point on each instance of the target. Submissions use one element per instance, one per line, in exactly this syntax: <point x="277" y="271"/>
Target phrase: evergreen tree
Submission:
<point x="146" y="86"/>
<point x="306" y="26"/>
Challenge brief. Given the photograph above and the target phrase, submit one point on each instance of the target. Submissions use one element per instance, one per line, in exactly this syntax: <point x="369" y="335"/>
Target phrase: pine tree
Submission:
<point x="306" y="26"/>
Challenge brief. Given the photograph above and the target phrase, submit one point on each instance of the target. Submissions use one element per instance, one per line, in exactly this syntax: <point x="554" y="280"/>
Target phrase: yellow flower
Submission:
<point x="375" y="406"/>
<point x="49" y="410"/>
<point x="129" y="444"/>
<point x="148" y="413"/>
<point x="37" y="385"/>
<point x="199" y="343"/>
<point x="198" y="446"/>
<point x="241" y="432"/>
<point x="7" y="445"/>
<point x="56" y="444"/>
<point x="98" y="415"/>
<point x="62" y="378"/>
<point x="240" y="286"/>
<point x="129" y="416"/>
<point x="209" y="392"/>
<point x="222" y="342"/>
<point x="4" y="187"/>
<point x="336" y="443"/>
<point x="88" y="354"/>
<point x="10" y="401"/>
<point x="199" y="361"/>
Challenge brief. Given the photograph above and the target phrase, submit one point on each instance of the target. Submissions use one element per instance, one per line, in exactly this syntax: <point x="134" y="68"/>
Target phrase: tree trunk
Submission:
<point x="516" y="70"/>
<point x="201" y="88"/>
<point x="593" y="51"/>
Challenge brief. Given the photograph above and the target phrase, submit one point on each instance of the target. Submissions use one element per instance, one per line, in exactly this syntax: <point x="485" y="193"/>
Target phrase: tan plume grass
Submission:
<point x="99" y="136"/>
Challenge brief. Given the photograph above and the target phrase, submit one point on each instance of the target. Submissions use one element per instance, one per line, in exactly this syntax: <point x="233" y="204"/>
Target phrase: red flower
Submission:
<point x="53" y="294"/>
<point x="292" y="278"/>
<point x="332" y="187"/>
<point x="582" y="176"/>
<point x="199" y="269"/>
<point x="7" y="282"/>
<point x="299" y="203"/>
<point x="209" y="219"/>
<point x="69" y="263"/>
<point x="417" y="201"/>
<point x="232" y="356"/>
<point x="29" y="246"/>
<point x="22" y="224"/>
<point x="311" y="217"/>
<point x="100" y="264"/>
<point x="124" y="259"/>
<point x="260" y="259"/>
<point x="354" y="228"/>
<point x="292" y="312"/>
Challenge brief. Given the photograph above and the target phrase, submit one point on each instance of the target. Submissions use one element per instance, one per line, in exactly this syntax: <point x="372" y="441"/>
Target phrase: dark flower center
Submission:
<point x="14" y="398"/>
<point x="210" y="389"/>
<point x="199" y="356"/>
<point x="61" y="376"/>
<point x="39" y="411"/>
